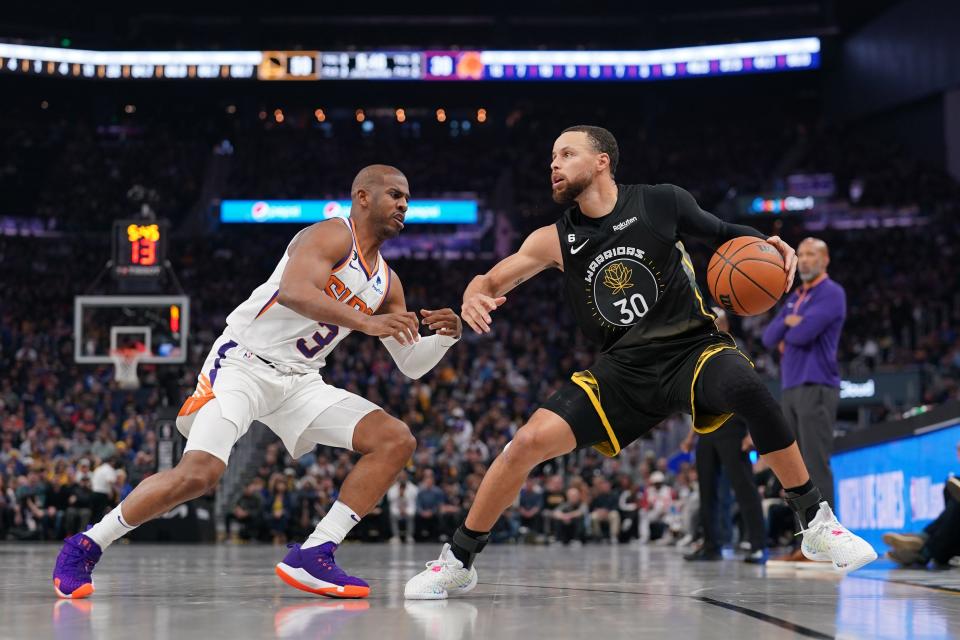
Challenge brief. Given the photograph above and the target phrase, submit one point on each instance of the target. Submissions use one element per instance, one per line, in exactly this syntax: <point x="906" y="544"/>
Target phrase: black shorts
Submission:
<point x="625" y="393"/>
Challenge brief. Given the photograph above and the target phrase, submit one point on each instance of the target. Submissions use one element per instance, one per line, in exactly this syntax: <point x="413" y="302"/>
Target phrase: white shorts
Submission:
<point x="300" y="408"/>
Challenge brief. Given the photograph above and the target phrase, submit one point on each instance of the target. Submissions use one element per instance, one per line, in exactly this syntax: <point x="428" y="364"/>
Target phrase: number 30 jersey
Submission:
<point x="283" y="336"/>
<point x="627" y="276"/>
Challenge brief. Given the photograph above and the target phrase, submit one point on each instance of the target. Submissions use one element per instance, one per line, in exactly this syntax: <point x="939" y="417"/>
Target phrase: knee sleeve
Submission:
<point x="728" y="384"/>
<point x="212" y="433"/>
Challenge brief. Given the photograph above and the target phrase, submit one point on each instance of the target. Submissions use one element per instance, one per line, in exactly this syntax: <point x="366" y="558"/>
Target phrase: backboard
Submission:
<point x="157" y="325"/>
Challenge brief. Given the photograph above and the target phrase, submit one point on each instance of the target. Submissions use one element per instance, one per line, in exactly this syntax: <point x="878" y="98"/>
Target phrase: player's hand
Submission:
<point x="401" y="326"/>
<point x="476" y="311"/>
<point x="444" y="322"/>
<point x="747" y="443"/>
<point x="792" y="320"/>
<point x="687" y="445"/>
<point x="789" y="260"/>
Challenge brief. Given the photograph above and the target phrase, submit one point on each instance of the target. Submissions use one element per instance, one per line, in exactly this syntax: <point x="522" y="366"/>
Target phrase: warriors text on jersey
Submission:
<point x="283" y="336"/>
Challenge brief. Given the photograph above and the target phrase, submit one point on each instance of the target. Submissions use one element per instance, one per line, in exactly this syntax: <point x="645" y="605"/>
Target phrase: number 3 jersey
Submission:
<point x="283" y="336"/>
<point x="627" y="276"/>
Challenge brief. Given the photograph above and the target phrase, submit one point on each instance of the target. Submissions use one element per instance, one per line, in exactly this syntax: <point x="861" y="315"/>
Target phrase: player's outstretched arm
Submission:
<point x="711" y="230"/>
<point x="312" y="258"/>
<point x="422" y="354"/>
<point x="540" y="251"/>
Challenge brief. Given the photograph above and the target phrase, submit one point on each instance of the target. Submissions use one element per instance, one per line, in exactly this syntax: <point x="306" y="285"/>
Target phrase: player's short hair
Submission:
<point x="602" y="141"/>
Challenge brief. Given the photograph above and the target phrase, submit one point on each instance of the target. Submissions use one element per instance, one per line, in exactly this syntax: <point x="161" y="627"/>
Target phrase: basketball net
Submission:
<point x="125" y="367"/>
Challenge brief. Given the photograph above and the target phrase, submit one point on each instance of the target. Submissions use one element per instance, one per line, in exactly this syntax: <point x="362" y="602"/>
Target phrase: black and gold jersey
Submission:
<point x="627" y="275"/>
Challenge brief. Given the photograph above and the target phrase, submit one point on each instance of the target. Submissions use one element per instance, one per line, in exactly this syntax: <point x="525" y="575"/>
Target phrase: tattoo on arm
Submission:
<point x="518" y="281"/>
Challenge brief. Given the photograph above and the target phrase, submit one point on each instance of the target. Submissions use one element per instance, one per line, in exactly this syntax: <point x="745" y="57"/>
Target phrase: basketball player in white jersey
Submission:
<point x="266" y="366"/>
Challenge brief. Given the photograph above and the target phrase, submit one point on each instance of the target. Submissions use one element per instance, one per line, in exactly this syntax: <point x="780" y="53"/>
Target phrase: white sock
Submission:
<point x="334" y="527"/>
<point x="110" y="529"/>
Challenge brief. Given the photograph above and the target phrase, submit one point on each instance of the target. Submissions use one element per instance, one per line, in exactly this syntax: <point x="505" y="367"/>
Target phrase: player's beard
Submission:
<point x="571" y="190"/>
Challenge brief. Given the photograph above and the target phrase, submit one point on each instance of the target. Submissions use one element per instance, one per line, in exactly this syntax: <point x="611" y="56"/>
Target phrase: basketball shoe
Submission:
<point x="314" y="570"/>
<point x="443" y="577"/>
<point x="72" y="574"/>
<point x="825" y="539"/>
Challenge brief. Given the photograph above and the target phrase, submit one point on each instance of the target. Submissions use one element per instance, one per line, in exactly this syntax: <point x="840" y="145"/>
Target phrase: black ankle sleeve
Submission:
<point x="804" y="505"/>
<point x="466" y="545"/>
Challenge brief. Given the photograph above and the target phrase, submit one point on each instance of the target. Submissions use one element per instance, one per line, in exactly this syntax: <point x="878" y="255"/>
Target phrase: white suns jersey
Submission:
<point x="283" y="336"/>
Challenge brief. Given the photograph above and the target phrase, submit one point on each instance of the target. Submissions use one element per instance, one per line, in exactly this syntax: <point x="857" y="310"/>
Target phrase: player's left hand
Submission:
<point x="789" y="260"/>
<point x="444" y="322"/>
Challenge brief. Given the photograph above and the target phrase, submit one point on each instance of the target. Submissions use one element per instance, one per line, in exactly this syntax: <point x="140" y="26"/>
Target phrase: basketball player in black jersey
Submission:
<point x="631" y="287"/>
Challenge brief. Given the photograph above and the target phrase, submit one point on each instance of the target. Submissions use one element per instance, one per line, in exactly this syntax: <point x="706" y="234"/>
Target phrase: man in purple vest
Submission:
<point x="807" y="332"/>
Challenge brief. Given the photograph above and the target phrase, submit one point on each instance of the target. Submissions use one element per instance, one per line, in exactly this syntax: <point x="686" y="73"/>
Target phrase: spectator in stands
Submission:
<point x="79" y="511"/>
<point x="403" y="507"/>
<point x="104" y="482"/>
<point x="628" y="504"/>
<point x="451" y="510"/>
<point x="279" y="508"/>
<point x="429" y="499"/>
<point x="570" y="518"/>
<point x="604" y="516"/>
<point x="553" y="498"/>
<point x="248" y="513"/>
<point x="530" y="508"/>
<point x="659" y="500"/>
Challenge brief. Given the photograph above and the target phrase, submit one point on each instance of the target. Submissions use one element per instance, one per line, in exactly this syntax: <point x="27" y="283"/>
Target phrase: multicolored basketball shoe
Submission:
<point x="443" y="577"/>
<point x="314" y="570"/>
<point x="826" y="540"/>
<point x="72" y="575"/>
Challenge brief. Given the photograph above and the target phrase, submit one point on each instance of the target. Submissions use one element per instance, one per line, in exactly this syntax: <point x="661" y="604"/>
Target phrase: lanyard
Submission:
<point x="804" y="295"/>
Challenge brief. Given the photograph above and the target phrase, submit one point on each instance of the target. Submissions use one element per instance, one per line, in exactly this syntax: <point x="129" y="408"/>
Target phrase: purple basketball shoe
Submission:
<point x="316" y="571"/>
<point x="72" y="574"/>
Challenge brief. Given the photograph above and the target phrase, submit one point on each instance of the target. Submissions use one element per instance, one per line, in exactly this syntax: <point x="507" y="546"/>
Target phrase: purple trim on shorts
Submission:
<point x="221" y="354"/>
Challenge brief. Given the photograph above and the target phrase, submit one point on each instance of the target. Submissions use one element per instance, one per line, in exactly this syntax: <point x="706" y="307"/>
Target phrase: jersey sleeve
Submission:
<point x="683" y="216"/>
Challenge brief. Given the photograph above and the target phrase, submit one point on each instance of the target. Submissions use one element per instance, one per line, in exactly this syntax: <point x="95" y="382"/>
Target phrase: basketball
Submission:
<point x="746" y="276"/>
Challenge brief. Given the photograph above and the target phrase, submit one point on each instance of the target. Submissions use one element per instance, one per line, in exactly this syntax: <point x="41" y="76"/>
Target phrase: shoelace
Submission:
<point x="440" y="562"/>
<point x="76" y="556"/>
<point x="833" y="525"/>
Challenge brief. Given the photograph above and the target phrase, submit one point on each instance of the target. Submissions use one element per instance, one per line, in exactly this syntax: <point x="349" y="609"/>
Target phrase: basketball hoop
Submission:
<point x="125" y="367"/>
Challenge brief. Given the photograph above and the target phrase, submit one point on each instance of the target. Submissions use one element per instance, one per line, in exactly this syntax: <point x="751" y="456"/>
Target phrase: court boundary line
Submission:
<point x="757" y="615"/>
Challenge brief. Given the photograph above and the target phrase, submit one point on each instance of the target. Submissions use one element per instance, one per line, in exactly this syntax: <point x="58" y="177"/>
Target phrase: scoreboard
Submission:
<point x="469" y="65"/>
<point x="139" y="248"/>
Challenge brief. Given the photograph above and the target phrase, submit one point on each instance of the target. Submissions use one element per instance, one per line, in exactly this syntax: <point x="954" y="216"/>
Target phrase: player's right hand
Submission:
<point x="403" y="327"/>
<point x="476" y="311"/>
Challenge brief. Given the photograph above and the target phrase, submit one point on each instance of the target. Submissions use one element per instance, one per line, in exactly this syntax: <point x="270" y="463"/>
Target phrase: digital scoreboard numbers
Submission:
<point x="377" y="65"/>
<point x="139" y="248"/>
<point x="340" y="65"/>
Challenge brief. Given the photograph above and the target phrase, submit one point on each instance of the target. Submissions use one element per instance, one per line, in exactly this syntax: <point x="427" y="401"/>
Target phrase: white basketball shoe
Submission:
<point x="826" y="540"/>
<point x="443" y="577"/>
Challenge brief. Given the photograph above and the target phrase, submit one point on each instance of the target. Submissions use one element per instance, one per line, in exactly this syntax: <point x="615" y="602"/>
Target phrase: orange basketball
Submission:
<point x="746" y="276"/>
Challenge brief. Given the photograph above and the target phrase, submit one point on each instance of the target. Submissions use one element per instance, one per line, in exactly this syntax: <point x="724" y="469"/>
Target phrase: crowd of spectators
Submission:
<point x="72" y="443"/>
